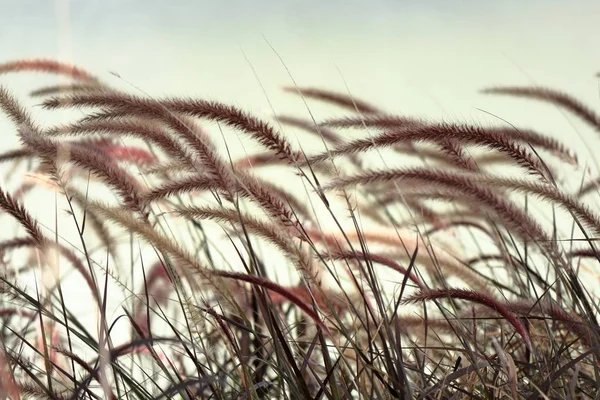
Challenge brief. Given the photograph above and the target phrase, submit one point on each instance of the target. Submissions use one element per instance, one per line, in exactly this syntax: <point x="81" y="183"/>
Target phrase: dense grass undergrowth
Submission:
<point x="390" y="257"/>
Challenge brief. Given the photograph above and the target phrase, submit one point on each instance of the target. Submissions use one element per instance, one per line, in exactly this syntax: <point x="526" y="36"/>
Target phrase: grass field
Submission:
<point x="380" y="256"/>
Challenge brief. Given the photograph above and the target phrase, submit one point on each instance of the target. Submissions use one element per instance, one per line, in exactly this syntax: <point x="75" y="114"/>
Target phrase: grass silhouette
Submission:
<point x="342" y="280"/>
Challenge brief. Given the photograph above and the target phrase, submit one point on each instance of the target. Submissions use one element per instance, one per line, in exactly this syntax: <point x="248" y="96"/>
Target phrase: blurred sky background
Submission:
<point x="418" y="58"/>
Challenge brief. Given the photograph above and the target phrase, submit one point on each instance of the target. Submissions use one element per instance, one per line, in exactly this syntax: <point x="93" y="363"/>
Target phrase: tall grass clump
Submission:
<point x="147" y="258"/>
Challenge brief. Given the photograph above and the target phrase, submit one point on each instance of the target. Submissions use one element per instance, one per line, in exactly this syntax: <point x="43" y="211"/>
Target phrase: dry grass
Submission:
<point x="334" y="280"/>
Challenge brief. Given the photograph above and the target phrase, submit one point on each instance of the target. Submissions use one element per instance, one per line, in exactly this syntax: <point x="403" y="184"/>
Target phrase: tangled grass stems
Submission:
<point x="441" y="133"/>
<point x="211" y="319"/>
<point x="476" y="297"/>
<point x="132" y="105"/>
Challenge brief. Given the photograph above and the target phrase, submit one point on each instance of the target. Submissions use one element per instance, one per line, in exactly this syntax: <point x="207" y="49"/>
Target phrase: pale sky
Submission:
<point x="411" y="56"/>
